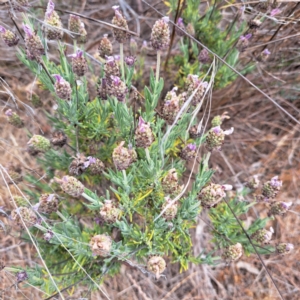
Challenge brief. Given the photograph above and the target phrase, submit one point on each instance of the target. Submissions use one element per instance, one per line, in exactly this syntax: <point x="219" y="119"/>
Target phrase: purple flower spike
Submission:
<point x="116" y="80"/>
<point x="28" y="30"/>
<point x="50" y="9"/>
<point x="117" y="11"/>
<point x="142" y="124"/>
<point x="275" y="12"/>
<point x="9" y="113"/>
<point x="78" y="54"/>
<point x="275" y="183"/>
<point x="289" y="247"/>
<point x="166" y="19"/>
<point x="217" y="129"/>
<point x="286" y="205"/>
<point x="65" y="179"/>
<point x="2" y="29"/>
<point x="58" y="78"/>
<point x="266" y="52"/>
<point x="92" y="160"/>
<point x="192" y="147"/>
<point x="180" y="21"/>
<point x="248" y="36"/>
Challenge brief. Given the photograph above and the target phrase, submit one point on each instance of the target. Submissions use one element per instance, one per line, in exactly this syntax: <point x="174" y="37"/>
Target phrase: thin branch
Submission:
<point x="254" y="247"/>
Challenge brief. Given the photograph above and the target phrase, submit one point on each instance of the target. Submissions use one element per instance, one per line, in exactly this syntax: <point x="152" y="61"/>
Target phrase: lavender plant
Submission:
<point x="119" y="167"/>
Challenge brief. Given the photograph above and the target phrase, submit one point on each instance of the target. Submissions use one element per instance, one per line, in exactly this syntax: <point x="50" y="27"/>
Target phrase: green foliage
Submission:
<point x="97" y="127"/>
<point x="211" y="33"/>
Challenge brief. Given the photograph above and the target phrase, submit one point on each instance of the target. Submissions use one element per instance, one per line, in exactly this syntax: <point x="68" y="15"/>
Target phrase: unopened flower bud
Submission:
<point x="21" y="276"/>
<point x="82" y="34"/>
<point x="71" y="186"/>
<point x="105" y="47"/>
<point x="79" y="63"/>
<point x="96" y="166"/>
<point x="194" y="83"/>
<point x="118" y="20"/>
<point x="133" y="46"/>
<point x="14" y="119"/>
<point x="48" y="235"/>
<point x="284" y="248"/>
<point x="101" y="245"/>
<point x="212" y="194"/>
<point x="74" y="24"/>
<point x="180" y="24"/>
<point x="215" y="138"/>
<point x="271" y="188"/>
<point x="188" y="152"/>
<point x="53" y="23"/>
<point x="263" y="236"/>
<point x="19" y="201"/>
<point x="111" y="68"/>
<point x="170" y="183"/>
<point x="34" y="46"/>
<point x="279" y="208"/>
<point x="122" y="157"/>
<point x="157" y="265"/>
<point x="48" y="203"/>
<point x="62" y="88"/>
<point x="58" y="138"/>
<point x="118" y="88"/>
<point x="160" y="35"/>
<point x="233" y="253"/>
<point x="130" y="60"/>
<point x="218" y="120"/>
<point x="38" y="144"/>
<point x="110" y="212"/>
<point x="253" y="182"/>
<point x="143" y="134"/>
<point x="171" y="211"/>
<point x="171" y="107"/>
<point x="204" y="57"/>
<point x="190" y="29"/>
<point x="24" y="214"/>
<point x="8" y="37"/>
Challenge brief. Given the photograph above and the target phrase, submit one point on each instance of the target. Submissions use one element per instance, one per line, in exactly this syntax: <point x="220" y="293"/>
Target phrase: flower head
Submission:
<point x="143" y="134"/>
<point x="21" y="276"/>
<point x="215" y="138"/>
<point x="120" y="35"/>
<point x="160" y="35"/>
